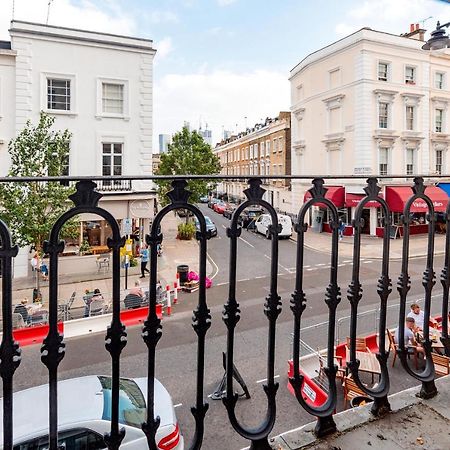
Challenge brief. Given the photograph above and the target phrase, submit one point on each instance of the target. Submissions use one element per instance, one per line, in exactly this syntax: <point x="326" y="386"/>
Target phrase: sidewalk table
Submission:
<point x="368" y="362"/>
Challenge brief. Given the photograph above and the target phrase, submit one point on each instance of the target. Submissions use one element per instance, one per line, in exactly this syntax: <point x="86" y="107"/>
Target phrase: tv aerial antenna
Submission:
<point x="425" y="20"/>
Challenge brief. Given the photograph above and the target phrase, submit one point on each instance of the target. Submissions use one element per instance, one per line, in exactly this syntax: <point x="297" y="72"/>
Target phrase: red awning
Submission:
<point x="397" y="196"/>
<point x="352" y="200"/>
<point x="336" y="194"/>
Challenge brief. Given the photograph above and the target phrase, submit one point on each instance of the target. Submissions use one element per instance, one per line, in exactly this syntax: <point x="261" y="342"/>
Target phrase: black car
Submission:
<point x="228" y="211"/>
<point x="248" y="217"/>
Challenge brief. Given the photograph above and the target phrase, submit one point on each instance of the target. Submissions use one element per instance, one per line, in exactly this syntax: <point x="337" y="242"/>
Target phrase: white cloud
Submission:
<point x="220" y="98"/>
<point x="158" y="17"/>
<point x="225" y="2"/>
<point x="392" y="16"/>
<point x="163" y="47"/>
<point x="108" y="17"/>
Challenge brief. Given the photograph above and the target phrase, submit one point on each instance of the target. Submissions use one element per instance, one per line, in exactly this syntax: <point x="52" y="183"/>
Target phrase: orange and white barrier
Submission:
<point x="175" y="293"/>
<point x="169" y="301"/>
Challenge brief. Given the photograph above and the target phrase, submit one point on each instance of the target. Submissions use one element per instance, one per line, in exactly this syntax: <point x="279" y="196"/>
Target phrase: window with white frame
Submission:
<point x="410" y="161"/>
<point x="280" y="144"/>
<point x="439" y="80"/>
<point x="383" y="71"/>
<point x="275" y="145"/>
<point x="263" y="149"/>
<point x="410" y="117"/>
<point x="268" y="147"/>
<point x="58" y="94"/>
<point x="280" y="169"/>
<point x="383" y="115"/>
<point x="438" y="121"/>
<point x="383" y="158"/>
<point x="113" y="98"/>
<point x="267" y="166"/>
<point x="112" y="160"/>
<point x="255" y="150"/>
<point x="439" y="160"/>
<point x="410" y="75"/>
<point x="251" y="151"/>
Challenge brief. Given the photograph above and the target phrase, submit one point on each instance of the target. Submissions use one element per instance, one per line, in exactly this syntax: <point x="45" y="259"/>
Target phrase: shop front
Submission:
<point x="319" y="215"/>
<point x="396" y="198"/>
<point x="369" y="213"/>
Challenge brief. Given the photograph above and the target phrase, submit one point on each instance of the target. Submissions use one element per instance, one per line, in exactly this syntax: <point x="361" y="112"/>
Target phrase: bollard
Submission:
<point x="175" y="293"/>
<point x="169" y="305"/>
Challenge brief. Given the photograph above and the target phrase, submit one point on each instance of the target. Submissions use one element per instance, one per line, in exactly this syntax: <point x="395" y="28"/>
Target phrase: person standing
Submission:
<point x="144" y="260"/>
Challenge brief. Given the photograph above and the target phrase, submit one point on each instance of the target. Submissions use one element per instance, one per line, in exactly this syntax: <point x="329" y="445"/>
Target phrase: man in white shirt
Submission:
<point x="410" y="341"/>
<point x="418" y="315"/>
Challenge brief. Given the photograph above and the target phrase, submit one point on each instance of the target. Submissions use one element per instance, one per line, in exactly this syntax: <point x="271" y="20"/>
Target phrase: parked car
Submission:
<point x="248" y="216"/>
<point x="210" y="225"/>
<point x="219" y="207"/>
<point x="204" y="199"/>
<point x="265" y="220"/>
<point x="229" y="210"/>
<point x="84" y="413"/>
<point x="212" y="202"/>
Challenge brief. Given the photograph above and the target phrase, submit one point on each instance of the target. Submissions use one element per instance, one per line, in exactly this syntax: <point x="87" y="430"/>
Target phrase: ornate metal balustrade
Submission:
<point x="85" y="200"/>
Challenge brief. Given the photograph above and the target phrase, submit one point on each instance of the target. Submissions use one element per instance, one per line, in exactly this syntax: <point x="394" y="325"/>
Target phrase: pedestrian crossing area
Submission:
<point x="324" y="266"/>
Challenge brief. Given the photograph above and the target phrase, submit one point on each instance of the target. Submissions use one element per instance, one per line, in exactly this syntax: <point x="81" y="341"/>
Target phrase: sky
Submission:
<point x="225" y="63"/>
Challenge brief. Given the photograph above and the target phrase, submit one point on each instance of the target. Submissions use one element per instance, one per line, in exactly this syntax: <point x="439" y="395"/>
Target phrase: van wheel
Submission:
<point x="268" y="236"/>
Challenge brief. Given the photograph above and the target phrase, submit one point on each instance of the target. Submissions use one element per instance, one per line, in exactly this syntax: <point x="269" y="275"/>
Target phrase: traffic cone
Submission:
<point x="175" y="293"/>
<point x="169" y="305"/>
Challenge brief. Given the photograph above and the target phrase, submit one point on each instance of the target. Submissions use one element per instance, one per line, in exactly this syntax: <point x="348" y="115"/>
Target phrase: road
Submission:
<point x="176" y="356"/>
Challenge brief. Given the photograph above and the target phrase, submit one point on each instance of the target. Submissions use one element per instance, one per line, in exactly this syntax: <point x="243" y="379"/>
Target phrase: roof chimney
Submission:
<point x="415" y="32"/>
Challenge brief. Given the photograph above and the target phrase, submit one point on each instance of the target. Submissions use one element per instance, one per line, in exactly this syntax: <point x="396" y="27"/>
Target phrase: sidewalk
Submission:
<point x="372" y="246"/>
<point x="175" y="252"/>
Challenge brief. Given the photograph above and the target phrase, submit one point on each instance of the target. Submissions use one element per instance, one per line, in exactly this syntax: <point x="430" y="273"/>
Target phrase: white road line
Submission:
<point x="224" y="227"/>
<point x="259" y="277"/>
<point x="347" y="261"/>
<point x="178" y="405"/>
<point x="312" y="268"/>
<point x="265" y="379"/>
<point x="285" y="268"/>
<point x="341" y="265"/>
<point x="306" y="266"/>
<point x="320" y="264"/>
<point x="367" y="262"/>
<point x="248" y="243"/>
<point x="215" y="266"/>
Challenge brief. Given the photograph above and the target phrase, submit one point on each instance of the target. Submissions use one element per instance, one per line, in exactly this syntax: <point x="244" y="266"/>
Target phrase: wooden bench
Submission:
<point x="98" y="249"/>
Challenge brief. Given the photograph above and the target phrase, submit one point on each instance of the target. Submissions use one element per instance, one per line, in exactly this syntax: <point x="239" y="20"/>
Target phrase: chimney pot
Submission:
<point x="417" y="26"/>
<point x="411" y="27"/>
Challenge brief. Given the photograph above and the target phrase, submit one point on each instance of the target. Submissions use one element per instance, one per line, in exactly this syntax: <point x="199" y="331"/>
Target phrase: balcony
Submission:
<point x="114" y="185"/>
<point x="294" y="300"/>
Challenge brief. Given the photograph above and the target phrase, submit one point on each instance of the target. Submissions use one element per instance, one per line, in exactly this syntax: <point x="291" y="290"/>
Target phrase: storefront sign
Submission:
<point x="353" y="200"/>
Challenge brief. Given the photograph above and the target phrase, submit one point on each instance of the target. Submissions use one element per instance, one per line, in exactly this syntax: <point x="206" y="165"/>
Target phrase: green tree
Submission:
<point x="188" y="154"/>
<point x="30" y="209"/>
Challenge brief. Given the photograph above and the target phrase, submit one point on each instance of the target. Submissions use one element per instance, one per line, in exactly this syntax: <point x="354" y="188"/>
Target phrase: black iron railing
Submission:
<point x="85" y="200"/>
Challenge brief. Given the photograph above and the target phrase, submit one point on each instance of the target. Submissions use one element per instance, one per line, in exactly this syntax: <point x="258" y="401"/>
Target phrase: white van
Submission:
<point x="264" y="220"/>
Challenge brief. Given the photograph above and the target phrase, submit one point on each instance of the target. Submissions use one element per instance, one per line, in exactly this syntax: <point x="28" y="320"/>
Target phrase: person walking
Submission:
<point x="143" y="253"/>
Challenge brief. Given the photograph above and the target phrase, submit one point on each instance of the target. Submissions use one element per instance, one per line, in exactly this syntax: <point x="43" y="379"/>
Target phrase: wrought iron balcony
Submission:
<point x="121" y="185"/>
<point x="85" y="200"/>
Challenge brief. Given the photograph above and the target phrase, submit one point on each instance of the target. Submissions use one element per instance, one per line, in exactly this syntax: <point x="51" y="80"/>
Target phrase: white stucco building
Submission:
<point x="371" y="103"/>
<point x="100" y="87"/>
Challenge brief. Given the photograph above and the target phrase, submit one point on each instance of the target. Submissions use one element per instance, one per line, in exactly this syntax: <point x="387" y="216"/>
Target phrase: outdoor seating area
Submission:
<point x="315" y="385"/>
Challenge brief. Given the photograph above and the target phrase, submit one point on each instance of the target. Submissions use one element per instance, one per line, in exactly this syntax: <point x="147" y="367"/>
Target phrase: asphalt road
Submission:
<point x="176" y="357"/>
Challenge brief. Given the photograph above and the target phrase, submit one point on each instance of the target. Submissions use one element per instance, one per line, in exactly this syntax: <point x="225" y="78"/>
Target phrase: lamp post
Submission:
<point x="438" y="38"/>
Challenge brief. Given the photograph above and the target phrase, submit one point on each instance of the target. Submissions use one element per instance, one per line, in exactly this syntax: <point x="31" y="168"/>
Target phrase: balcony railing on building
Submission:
<point x="85" y="200"/>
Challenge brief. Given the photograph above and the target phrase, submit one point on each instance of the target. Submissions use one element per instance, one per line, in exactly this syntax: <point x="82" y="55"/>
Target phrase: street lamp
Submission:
<point x="438" y="38"/>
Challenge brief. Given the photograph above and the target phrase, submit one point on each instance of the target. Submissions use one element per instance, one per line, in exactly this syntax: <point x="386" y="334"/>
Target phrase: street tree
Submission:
<point x="30" y="209"/>
<point x="188" y="154"/>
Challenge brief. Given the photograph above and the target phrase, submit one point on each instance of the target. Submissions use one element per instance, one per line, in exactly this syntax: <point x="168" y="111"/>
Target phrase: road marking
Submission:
<point x="341" y="265"/>
<point x="259" y="277"/>
<point x="265" y="379"/>
<point x="285" y="268"/>
<point x="320" y="264"/>
<point x="215" y="267"/>
<point x="367" y="262"/>
<point x="248" y="243"/>
<point x="312" y="268"/>
<point x="347" y="261"/>
<point x="306" y="266"/>
<point x="178" y="405"/>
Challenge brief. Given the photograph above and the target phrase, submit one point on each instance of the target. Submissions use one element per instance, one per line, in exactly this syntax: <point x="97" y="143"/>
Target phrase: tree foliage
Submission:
<point x="188" y="154"/>
<point x="30" y="209"/>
